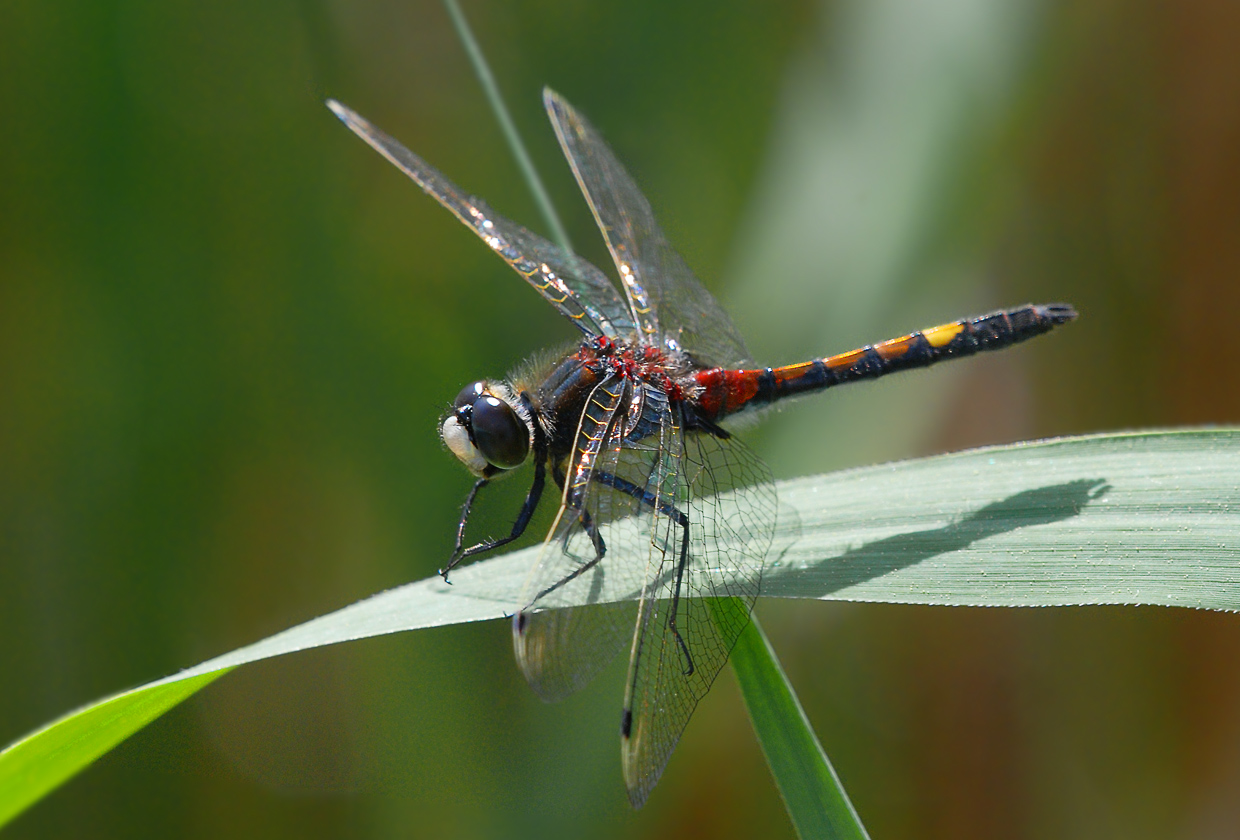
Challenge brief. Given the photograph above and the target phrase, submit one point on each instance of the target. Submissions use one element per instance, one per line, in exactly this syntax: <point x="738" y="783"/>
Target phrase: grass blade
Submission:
<point x="43" y="760"/>
<point x="811" y="790"/>
<point x="558" y="234"/>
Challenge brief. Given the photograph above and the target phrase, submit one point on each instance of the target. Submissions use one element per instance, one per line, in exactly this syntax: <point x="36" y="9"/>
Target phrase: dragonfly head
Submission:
<point x="487" y="430"/>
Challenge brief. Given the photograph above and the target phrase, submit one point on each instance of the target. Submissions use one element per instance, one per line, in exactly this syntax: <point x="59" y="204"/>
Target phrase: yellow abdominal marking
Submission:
<point x="939" y="336"/>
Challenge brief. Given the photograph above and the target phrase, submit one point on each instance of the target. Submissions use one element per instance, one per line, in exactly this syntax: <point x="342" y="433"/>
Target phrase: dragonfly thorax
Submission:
<point x="638" y="361"/>
<point x="487" y="429"/>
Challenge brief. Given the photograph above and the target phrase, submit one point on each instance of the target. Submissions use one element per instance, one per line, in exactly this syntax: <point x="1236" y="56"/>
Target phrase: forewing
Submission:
<point x="573" y="286"/>
<point x="669" y="305"/>
<point x="560" y="649"/>
<point x="728" y="499"/>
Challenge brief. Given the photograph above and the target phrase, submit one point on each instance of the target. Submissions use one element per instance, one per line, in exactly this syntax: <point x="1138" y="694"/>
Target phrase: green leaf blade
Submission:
<point x="42" y="761"/>
<point x="1133" y="518"/>
<point x="807" y="782"/>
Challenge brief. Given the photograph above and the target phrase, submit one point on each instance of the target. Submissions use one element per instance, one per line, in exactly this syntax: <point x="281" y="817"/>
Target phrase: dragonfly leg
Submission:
<point x="460" y="527"/>
<point x="696" y="422"/>
<point x="570" y="577"/>
<point x="588" y="525"/>
<point x="523" y="518"/>
<point x="675" y="608"/>
<point x="682" y="563"/>
<point x="587" y="522"/>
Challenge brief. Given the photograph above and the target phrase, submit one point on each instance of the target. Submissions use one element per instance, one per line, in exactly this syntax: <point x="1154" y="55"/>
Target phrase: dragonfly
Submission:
<point x="657" y="499"/>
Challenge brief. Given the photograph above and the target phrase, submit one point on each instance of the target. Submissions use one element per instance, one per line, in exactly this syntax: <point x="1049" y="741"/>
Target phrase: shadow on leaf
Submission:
<point x="1039" y="506"/>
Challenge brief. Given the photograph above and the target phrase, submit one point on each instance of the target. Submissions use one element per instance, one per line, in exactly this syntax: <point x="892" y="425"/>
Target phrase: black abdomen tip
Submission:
<point x="1057" y="313"/>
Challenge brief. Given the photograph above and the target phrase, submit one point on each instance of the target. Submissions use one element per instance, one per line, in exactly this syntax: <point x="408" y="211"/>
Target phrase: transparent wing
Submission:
<point x="641" y="479"/>
<point x="560" y="649"/>
<point x="573" y="286"/>
<point x="669" y="305"/>
<point x="729" y="500"/>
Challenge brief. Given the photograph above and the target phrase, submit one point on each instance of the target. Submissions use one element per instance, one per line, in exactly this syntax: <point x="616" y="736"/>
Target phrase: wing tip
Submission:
<point x="639" y="777"/>
<point x="557" y="108"/>
<point x="337" y="108"/>
<point x="346" y="115"/>
<point x="638" y="787"/>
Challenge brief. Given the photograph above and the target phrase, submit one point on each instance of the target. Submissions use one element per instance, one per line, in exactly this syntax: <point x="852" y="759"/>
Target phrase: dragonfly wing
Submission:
<point x="561" y="648"/>
<point x="729" y="503"/>
<point x="669" y="305"/>
<point x="597" y="548"/>
<point x="641" y="479"/>
<point x="573" y="286"/>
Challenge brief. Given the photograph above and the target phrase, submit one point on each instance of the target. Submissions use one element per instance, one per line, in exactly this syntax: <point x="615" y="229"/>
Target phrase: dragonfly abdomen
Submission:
<point x="729" y="391"/>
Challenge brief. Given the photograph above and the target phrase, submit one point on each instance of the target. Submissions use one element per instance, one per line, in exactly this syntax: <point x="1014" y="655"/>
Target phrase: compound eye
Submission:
<point x="469" y="394"/>
<point x="500" y="435"/>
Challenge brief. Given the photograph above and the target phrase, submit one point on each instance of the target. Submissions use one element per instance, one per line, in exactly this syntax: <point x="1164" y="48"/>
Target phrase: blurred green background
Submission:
<point x="228" y="330"/>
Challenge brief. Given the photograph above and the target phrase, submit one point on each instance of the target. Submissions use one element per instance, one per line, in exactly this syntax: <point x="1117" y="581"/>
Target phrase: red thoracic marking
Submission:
<point x="642" y="363"/>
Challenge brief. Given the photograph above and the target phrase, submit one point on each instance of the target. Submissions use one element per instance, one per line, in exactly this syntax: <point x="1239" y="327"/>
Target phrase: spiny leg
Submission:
<point x="527" y="508"/>
<point x="460" y="527"/>
<point x="677" y="516"/>
<point x="596" y="539"/>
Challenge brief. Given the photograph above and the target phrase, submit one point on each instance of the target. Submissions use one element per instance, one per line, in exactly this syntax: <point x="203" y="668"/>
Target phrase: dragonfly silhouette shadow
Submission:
<point x="1040" y="506"/>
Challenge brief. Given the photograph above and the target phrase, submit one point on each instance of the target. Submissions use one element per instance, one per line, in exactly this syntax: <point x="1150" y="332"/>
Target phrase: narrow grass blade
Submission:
<point x="558" y="234"/>
<point x="811" y="790"/>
